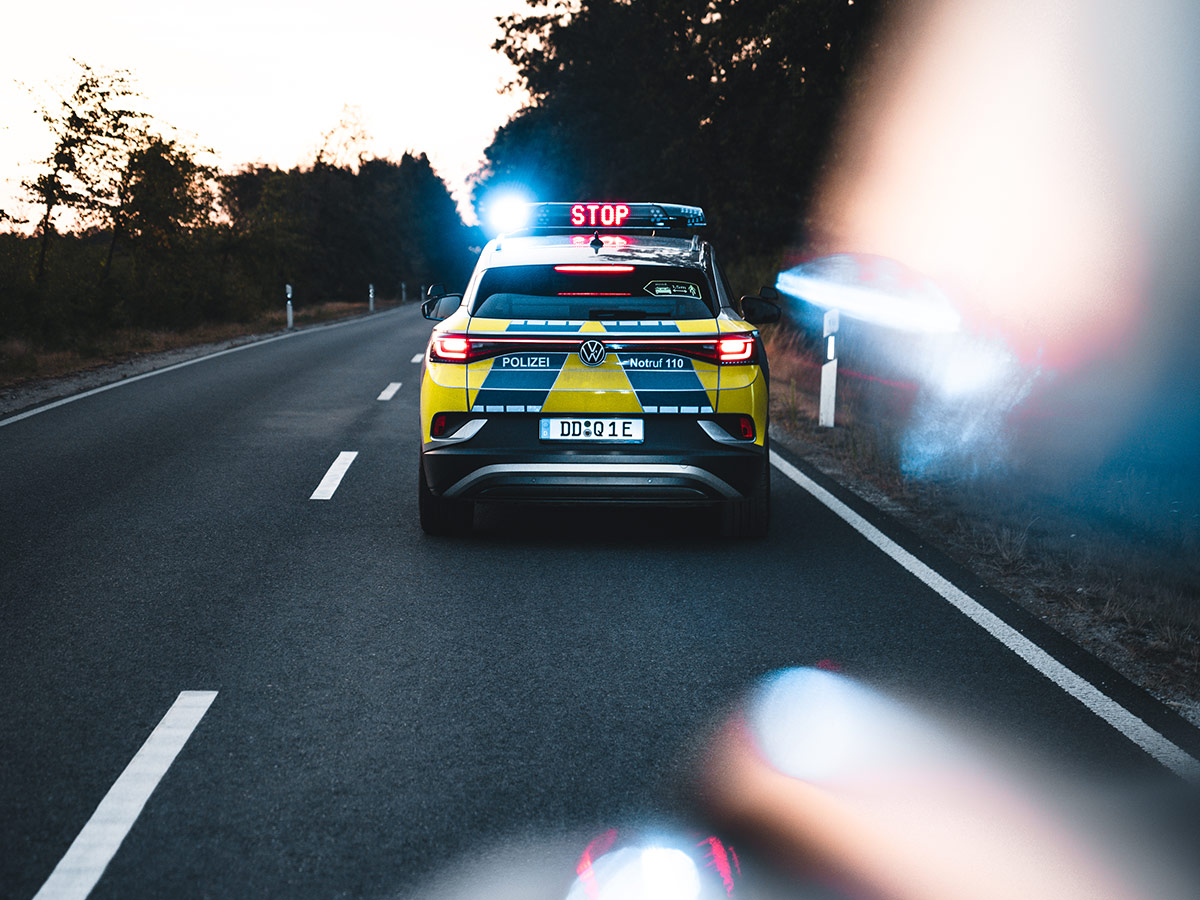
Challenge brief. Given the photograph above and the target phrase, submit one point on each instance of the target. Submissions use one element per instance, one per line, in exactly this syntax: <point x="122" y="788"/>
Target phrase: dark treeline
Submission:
<point x="188" y="249"/>
<point x="730" y="104"/>
<point x="155" y="238"/>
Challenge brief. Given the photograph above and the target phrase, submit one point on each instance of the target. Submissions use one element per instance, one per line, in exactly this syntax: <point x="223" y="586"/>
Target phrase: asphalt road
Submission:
<point x="387" y="703"/>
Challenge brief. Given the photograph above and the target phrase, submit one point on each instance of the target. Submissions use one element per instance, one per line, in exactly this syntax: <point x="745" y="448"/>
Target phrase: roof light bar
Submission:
<point x="595" y="215"/>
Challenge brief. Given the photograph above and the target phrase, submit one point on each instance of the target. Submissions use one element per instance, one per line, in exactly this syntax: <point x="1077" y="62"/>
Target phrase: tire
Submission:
<point x="750" y="517"/>
<point x="440" y="516"/>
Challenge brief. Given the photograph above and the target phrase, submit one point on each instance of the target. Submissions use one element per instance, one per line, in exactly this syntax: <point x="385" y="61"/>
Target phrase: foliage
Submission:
<point x="159" y="239"/>
<point x="331" y="231"/>
<point x="725" y="103"/>
<point x="94" y="129"/>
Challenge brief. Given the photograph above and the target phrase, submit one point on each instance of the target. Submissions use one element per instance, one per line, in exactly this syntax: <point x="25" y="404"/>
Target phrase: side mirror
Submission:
<point x="758" y="311"/>
<point x="769" y="293"/>
<point x="441" y="306"/>
<point x="434" y="291"/>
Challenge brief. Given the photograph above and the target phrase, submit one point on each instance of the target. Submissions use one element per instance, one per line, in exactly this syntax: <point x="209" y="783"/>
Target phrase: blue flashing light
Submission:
<point x="507" y="212"/>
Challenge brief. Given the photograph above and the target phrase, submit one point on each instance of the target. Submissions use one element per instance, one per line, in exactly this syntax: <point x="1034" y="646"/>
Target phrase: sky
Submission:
<point x="260" y="81"/>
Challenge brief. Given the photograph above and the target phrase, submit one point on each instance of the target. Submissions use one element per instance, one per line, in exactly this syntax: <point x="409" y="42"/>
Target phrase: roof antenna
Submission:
<point x="595" y="243"/>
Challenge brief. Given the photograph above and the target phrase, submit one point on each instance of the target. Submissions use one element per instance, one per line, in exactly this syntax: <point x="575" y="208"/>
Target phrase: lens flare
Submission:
<point x="872" y="289"/>
<point x="506" y="211"/>
<point x="638" y="873"/>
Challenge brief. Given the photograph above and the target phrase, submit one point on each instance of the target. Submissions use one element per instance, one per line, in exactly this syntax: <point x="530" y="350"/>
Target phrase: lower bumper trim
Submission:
<point x="584" y="476"/>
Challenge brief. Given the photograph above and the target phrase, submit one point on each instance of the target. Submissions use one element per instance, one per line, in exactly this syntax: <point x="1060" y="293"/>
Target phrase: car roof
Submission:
<point x="556" y="249"/>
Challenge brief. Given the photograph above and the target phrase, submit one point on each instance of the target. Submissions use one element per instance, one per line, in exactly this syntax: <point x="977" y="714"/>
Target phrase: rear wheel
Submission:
<point x="440" y="515"/>
<point x="750" y="517"/>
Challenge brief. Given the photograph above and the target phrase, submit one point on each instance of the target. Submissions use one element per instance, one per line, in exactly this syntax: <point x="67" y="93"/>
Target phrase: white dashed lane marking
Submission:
<point x="334" y="476"/>
<point x="417" y="358"/>
<point x="90" y="853"/>
<point x="390" y="391"/>
<point x="1166" y="752"/>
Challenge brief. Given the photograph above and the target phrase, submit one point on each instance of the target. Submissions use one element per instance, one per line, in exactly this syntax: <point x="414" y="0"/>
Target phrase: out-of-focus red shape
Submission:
<point x="597" y="847"/>
<point x="720" y="861"/>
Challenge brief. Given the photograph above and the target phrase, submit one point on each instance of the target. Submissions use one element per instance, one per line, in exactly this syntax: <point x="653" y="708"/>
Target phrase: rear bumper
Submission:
<point x="678" y="463"/>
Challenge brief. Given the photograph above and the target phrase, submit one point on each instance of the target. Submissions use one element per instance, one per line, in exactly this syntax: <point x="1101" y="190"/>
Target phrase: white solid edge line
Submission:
<point x="390" y="391"/>
<point x="63" y="401"/>
<point x="92" y="850"/>
<point x="417" y="357"/>
<point x="1132" y="727"/>
<point x="334" y="476"/>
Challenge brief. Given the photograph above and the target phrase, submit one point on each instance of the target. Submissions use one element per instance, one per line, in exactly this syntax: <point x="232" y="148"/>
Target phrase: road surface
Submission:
<point x="385" y="702"/>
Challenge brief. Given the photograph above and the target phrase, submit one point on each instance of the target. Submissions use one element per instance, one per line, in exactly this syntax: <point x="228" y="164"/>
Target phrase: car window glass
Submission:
<point x="446" y="306"/>
<point x="644" y="293"/>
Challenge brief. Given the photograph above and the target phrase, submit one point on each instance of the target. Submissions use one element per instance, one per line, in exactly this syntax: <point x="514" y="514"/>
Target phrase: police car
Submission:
<point x="596" y="355"/>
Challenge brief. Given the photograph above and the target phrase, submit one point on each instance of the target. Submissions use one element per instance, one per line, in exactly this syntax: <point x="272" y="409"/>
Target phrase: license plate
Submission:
<point x="614" y="431"/>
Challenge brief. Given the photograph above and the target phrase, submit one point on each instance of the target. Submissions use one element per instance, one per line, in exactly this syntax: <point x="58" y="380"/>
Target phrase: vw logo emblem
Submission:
<point x="592" y="353"/>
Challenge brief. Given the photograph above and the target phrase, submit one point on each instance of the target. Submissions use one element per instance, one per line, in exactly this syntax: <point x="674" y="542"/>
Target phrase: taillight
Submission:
<point x="738" y="349"/>
<point x="600" y="269"/>
<point x="438" y="428"/>
<point x="450" y="348"/>
<point x="746" y="427"/>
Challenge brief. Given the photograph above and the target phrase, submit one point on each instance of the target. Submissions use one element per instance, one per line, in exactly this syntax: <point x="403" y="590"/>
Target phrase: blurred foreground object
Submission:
<point x="1039" y="162"/>
<point x="619" y="865"/>
<point x="843" y="783"/>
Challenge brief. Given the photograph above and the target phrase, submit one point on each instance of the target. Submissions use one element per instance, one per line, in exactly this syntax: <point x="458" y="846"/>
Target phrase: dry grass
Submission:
<point x="1113" y="562"/>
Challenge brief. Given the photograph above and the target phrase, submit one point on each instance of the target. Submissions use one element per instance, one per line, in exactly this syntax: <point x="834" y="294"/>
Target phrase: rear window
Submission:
<point x="625" y="292"/>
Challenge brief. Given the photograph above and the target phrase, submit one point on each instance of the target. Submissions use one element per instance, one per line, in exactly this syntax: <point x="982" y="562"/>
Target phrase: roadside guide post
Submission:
<point x="829" y="370"/>
<point x="370" y="298"/>
<point x="403" y="292"/>
<point x="288" y="291"/>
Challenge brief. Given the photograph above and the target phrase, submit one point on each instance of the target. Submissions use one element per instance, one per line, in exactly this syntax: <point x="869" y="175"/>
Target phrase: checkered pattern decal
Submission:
<point x="641" y="381"/>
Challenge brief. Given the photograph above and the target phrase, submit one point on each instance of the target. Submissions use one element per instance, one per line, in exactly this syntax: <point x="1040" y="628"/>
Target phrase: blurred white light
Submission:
<point x="508" y="212"/>
<point x="669" y="874"/>
<point x="961" y="368"/>
<point x="923" y="310"/>
<point x="639" y="873"/>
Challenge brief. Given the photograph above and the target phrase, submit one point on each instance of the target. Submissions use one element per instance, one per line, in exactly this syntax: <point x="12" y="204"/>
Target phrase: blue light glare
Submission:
<point x="506" y="211"/>
<point x="872" y="289"/>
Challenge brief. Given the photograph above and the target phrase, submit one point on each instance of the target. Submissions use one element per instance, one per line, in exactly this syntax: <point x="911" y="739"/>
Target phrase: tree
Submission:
<point x="94" y="129"/>
<point x="162" y="193"/>
<point x="331" y="231"/>
<point x="346" y="143"/>
<point x="726" y="103"/>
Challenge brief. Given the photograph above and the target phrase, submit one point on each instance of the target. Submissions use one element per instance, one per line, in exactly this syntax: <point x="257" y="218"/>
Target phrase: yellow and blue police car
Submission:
<point x="596" y="355"/>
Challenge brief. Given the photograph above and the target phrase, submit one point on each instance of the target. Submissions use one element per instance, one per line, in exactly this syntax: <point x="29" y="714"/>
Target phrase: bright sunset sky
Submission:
<point x="261" y="81"/>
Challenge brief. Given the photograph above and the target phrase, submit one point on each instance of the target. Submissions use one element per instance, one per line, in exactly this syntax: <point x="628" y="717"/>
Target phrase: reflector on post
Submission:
<point x="829" y="372"/>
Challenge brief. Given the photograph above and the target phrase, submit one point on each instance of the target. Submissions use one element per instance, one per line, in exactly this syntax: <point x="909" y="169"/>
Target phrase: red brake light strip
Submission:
<point x="460" y="348"/>
<point x="594" y="270"/>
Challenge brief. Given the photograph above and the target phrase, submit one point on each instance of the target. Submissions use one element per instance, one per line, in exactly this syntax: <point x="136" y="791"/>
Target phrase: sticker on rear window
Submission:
<point x="672" y="289"/>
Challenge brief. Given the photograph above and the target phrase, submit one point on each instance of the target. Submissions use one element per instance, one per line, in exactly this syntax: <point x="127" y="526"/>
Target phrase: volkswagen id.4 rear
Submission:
<point x="596" y="356"/>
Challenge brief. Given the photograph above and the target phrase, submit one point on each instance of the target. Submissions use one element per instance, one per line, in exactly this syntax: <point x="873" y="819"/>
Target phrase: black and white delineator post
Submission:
<point x="829" y="370"/>
<point x="288" y="291"/>
<point x="370" y="298"/>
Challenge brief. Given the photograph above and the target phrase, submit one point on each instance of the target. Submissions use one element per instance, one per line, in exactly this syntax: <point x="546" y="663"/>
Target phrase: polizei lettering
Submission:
<point x="524" y="362"/>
